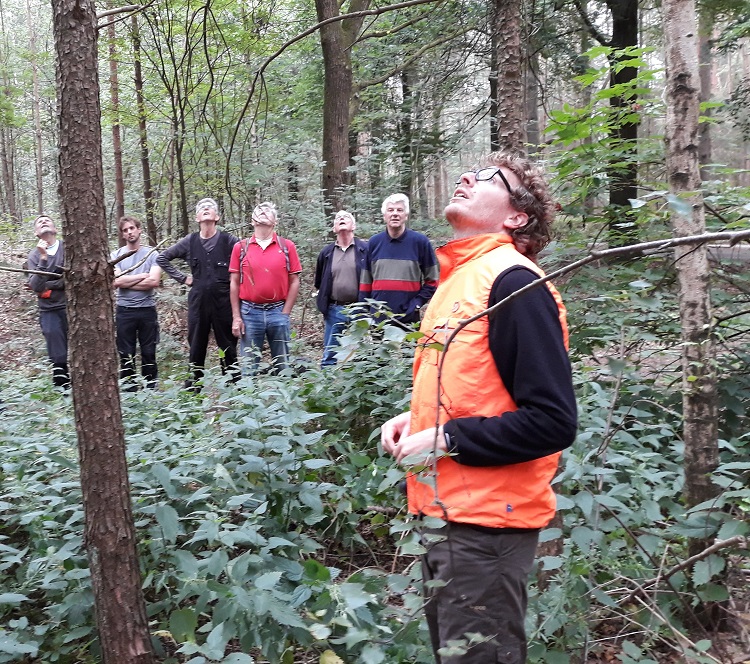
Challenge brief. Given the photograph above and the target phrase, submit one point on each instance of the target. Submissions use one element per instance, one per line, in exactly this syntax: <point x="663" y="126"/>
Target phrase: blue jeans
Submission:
<point x="336" y="322"/>
<point x="261" y="324"/>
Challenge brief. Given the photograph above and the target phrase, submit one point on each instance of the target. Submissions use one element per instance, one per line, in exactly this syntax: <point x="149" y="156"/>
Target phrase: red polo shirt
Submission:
<point x="264" y="275"/>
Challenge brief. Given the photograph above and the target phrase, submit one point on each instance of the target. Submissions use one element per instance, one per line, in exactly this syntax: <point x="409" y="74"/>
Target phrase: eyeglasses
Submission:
<point x="485" y="175"/>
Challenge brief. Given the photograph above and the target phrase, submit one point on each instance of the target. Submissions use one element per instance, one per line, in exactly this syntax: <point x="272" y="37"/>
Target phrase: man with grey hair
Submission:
<point x="207" y="252"/>
<point x="401" y="269"/>
<point x="337" y="274"/>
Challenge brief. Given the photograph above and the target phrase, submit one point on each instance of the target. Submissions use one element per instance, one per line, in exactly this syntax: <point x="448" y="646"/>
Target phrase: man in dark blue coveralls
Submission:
<point x="207" y="252"/>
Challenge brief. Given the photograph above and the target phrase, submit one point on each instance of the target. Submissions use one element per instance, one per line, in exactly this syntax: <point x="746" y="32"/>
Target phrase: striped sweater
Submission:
<point x="402" y="272"/>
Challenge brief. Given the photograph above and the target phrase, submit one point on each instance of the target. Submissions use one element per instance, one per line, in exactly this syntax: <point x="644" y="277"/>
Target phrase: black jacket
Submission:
<point x="323" y="276"/>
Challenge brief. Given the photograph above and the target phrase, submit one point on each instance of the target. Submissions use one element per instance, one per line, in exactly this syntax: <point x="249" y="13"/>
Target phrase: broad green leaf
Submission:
<point x="182" y="624"/>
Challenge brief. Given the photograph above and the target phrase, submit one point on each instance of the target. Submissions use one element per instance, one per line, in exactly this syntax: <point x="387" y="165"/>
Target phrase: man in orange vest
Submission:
<point x="490" y="414"/>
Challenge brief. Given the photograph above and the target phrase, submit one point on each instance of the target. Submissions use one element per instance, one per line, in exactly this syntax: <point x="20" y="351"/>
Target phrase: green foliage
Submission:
<point x="260" y="512"/>
<point x="587" y="151"/>
<point x="624" y="522"/>
<point x="268" y="520"/>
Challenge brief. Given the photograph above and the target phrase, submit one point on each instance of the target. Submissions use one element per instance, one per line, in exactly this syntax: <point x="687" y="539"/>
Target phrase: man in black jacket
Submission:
<point x="207" y="252"/>
<point x="337" y="280"/>
<point x="49" y="256"/>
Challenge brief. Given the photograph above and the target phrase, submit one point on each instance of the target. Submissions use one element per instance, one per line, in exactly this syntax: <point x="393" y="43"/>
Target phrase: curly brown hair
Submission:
<point x="532" y="198"/>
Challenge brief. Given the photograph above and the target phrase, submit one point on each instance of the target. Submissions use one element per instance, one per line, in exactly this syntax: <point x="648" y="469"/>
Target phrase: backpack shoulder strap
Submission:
<point x="285" y="248"/>
<point x="243" y="252"/>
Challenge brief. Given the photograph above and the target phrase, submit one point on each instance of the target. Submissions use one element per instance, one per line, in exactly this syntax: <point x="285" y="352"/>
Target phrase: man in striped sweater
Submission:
<point x="400" y="269"/>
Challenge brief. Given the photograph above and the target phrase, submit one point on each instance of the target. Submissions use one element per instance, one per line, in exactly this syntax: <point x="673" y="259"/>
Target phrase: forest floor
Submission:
<point x="22" y="349"/>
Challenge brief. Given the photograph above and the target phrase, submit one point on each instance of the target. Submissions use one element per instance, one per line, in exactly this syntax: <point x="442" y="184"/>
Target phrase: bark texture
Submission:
<point x="109" y="530"/>
<point x="508" y="123"/>
<point x="700" y="411"/>
<point x="336" y="40"/>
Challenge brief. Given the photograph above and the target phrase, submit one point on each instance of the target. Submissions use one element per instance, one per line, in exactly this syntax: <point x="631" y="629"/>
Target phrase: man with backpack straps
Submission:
<point x="207" y="253"/>
<point x="264" y="272"/>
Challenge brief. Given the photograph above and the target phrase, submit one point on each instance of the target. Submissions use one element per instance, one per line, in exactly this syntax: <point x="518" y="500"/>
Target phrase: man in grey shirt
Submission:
<point x="136" y="277"/>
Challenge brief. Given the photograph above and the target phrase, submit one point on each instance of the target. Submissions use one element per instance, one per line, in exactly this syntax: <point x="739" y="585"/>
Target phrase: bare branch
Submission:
<point x="305" y="33"/>
<point x="643" y="248"/>
<point x="404" y="64"/>
<point x="593" y="30"/>
<point x="128" y="254"/>
<point x="18" y="269"/>
<point x="118" y="10"/>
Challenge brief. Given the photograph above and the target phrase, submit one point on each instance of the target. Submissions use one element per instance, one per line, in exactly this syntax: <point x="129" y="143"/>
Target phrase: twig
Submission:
<point x="595" y="255"/>
<point x="19" y="269"/>
<point x="128" y="254"/>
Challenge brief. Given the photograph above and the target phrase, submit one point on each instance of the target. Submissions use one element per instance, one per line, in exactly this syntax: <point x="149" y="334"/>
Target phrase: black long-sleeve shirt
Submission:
<point x="526" y="342"/>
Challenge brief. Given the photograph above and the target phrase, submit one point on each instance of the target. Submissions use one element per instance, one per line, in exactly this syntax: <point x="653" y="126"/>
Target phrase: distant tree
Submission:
<point x="148" y="192"/>
<point x="623" y="167"/>
<point x="109" y="529"/>
<point x="114" y="91"/>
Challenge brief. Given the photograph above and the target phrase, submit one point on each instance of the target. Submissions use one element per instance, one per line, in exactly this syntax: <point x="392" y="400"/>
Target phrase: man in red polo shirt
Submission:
<point x="264" y="284"/>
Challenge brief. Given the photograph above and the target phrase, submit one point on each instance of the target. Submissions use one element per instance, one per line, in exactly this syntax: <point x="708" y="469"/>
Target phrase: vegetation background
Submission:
<point x="268" y="526"/>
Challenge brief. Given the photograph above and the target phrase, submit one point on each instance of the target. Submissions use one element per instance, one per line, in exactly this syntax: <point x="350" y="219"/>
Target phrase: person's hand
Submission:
<point x="419" y="447"/>
<point x="393" y="430"/>
<point x="238" y="327"/>
<point x="42" y="246"/>
<point x="189" y="280"/>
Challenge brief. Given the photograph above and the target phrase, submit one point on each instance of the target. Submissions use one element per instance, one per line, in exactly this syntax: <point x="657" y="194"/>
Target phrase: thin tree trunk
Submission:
<point x="178" y="144"/>
<point x="170" y="190"/>
<point x="148" y="193"/>
<point x="706" y="26"/>
<point x="531" y="100"/>
<point x="699" y="401"/>
<point x="36" y="112"/>
<point x="109" y="529"/>
<point x="114" y="91"/>
<point x="9" y="180"/>
<point x="623" y="178"/>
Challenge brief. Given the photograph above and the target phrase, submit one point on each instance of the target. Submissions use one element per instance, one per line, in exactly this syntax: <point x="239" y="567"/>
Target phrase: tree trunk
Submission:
<point x="699" y="401"/>
<point x="148" y="193"/>
<point x="623" y="179"/>
<point x="706" y="26"/>
<point x="114" y="92"/>
<point x="405" y="138"/>
<point x="109" y="529"/>
<point x="8" y="168"/>
<point x="179" y="138"/>
<point x="509" y="56"/>
<point x="36" y="112"/>
<point x="531" y="74"/>
<point x="336" y="40"/>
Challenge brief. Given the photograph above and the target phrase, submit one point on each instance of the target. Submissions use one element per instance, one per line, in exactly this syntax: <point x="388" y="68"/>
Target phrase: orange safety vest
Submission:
<point x="513" y="496"/>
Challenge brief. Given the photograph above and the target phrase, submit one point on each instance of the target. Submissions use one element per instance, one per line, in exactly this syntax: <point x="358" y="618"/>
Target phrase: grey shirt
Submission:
<point x="129" y="297"/>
